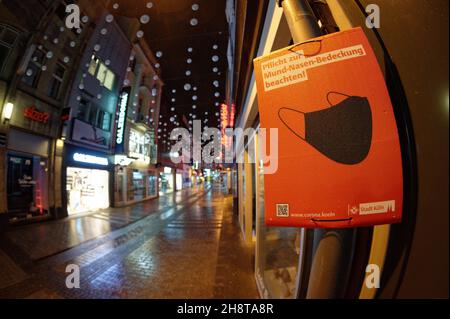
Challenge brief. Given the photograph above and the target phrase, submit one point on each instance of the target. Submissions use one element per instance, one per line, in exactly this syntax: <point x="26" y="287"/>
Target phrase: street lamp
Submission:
<point x="7" y="111"/>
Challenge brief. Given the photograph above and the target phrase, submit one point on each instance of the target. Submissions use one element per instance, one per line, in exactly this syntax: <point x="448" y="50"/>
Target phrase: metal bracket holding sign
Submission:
<point x="338" y="138"/>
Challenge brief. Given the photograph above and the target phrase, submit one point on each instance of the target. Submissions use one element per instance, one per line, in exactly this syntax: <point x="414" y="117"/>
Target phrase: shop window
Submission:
<point x="57" y="81"/>
<point x="278" y="253"/>
<point x="87" y="190"/>
<point x="91" y="113"/>
<point x="102" y="72"/>
<point x="93" y="65"/>
<point x="104" y="120"/>
<point x="106" y="77"/>
<point x="83" y="110"/>
<point x="138" y="186"/>
<point x="33" y="73"/>
<point x="138" y="146"/>
<point x="26" y="186"/>
<point x="99" y="70"/>
<point x="179" y="182"/>
<point x="166" y="181"/>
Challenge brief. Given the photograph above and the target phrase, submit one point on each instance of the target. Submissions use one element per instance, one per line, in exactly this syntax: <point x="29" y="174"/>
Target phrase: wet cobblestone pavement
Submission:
<point x="186" y="245"/>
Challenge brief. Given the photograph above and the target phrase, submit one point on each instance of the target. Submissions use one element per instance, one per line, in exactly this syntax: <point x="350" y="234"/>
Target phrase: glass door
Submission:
<point x="27" y="186"/>
<point x="20" y="184"/>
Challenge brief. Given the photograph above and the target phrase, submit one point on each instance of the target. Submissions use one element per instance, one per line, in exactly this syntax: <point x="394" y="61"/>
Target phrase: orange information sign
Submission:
<point x="339" y="157"/>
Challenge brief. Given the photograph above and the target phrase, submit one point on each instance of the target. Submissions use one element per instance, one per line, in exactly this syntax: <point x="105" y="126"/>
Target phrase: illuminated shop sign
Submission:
<point x="90" y="159"/>
<point x="122" y="117"/>
<point x="33" y="114"/>
<point x="232" y="115"/>
<point x="224" y="122"/>
<point x="227" y="115"/>
<point x="122" y="160"/>
<point x="121" y="121"/>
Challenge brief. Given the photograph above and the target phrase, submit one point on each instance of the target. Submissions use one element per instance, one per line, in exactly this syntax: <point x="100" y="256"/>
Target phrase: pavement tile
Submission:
<point x="184" y="246"/>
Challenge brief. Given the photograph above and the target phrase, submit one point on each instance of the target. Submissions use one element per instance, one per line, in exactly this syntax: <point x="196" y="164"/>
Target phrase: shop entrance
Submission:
<point x="26" y="186"/>
<point x="87" y="190"/>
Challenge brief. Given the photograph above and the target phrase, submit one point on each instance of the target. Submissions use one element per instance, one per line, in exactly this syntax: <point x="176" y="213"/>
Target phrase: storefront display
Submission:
<point x="87" y="190"/>
<point x="26" y="186"/>
<point x="138" y="186"/>
<point x="179" y="181"/>
<point x="166" y="181"/>
<point x="27" y="176"/>
<point x="86" y="175"/>
<point x="133" y="185"/>
<point x="135" y="181"/>
<point x="139" y="146"/>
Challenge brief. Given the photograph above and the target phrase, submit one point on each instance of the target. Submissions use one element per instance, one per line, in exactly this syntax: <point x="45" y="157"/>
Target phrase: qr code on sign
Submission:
<point x="282" y="210"/>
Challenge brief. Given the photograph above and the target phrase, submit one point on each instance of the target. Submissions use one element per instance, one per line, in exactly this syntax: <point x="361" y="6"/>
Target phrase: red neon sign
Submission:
<point x="33" y="114"/>
<point x="224" y="122"/>
<point x="232" y="113"/>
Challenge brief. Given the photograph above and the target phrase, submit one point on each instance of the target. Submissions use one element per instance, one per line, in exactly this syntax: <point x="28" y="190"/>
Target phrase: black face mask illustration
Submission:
<point x="342" y="132"/>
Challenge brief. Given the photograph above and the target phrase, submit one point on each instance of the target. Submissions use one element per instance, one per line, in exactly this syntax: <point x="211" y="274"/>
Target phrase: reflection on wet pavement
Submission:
<point x="39" y="241"/>
<point x="186" y="245"/>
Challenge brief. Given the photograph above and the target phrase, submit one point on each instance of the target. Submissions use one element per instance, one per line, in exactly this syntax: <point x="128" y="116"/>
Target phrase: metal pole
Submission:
<point x="301" y="20"/>
<point x="332" y="248"/>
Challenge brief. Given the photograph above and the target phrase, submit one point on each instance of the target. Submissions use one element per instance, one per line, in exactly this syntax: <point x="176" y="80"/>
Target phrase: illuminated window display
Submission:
<point x="87" y="190"/>
<point x="166" y="181"/>
<point x="133" y="185"/>
<point x="139" y="146"/>
<point x="179" y="181"/>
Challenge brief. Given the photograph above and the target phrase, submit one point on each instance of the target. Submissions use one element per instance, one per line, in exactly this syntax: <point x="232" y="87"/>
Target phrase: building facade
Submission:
<point x="136" y="152"/>
<point x="90" y="128"/>
<point x="60" y="96"/>
<point x="39" y="57"/>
